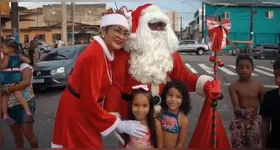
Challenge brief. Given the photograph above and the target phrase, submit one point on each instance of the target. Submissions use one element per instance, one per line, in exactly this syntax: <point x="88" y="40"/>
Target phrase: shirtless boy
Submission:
<point x="246" y="95"/>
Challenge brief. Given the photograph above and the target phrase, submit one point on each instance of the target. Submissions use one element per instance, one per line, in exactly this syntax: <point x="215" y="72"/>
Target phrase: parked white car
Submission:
<point x="44" y="47"/>
<point x="192" y="46"/>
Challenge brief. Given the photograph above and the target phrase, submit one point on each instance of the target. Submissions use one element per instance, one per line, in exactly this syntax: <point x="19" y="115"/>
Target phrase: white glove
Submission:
<point x="133" y="128"/>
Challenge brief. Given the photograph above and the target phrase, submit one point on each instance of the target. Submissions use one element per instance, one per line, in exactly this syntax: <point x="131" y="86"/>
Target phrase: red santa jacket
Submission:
<point x="123" y="82"/>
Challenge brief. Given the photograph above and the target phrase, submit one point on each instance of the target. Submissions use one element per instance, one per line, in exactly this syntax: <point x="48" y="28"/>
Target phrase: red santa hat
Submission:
<point x="114" y="19"/>
<point x="137" y="13"/>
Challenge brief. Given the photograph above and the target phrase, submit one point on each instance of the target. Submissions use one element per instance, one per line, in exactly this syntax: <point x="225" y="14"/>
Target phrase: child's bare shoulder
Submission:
<point x="257" y="84"/>
<point x="157" y="122"/>
<point x="233" y="85"/>
<point x="183" y="119"/>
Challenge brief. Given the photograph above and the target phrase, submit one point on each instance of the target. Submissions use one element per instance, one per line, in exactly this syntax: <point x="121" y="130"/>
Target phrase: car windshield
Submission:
<point x="61" y="54"/>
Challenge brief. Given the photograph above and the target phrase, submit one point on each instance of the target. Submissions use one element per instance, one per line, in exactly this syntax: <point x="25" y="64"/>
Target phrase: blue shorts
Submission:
<point x="18" y="113"/>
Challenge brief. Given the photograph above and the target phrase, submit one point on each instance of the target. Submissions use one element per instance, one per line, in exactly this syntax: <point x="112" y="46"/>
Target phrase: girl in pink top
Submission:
<point x="141" y="109"/>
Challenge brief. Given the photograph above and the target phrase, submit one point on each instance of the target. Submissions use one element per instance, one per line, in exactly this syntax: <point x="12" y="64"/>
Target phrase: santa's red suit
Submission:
<point x="80" y="120"/>
<point x="131" y="67"/>
<point x="118" y="97"/>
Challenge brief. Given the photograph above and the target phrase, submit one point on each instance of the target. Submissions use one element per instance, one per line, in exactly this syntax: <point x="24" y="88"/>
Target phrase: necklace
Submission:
<point x="109" y="71"/>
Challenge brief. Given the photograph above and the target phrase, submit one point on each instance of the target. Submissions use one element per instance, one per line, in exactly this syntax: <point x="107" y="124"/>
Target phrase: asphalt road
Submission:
<point x="47" y="101"/>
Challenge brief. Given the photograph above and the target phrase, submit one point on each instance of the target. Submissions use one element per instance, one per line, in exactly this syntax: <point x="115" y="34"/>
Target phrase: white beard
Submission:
<point x="151" y="51"/>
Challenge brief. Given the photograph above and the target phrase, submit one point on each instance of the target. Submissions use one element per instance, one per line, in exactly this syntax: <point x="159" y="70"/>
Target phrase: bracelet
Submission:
<point x="7" y="90"/>
<point x="242" y="112"/>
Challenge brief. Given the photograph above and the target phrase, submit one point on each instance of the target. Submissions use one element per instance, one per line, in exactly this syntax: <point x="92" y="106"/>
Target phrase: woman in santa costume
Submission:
<point x="150" y="58"/>
<point x="80" y="120"/>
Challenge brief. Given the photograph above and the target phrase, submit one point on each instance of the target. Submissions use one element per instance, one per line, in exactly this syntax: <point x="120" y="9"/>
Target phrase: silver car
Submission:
<point x="54" y="69"/>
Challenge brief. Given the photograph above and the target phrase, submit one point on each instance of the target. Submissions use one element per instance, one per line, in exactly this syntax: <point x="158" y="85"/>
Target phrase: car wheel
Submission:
<point x="200" y="51"/>
<point x="262" y="56"/>
<point x="42" y="50"/>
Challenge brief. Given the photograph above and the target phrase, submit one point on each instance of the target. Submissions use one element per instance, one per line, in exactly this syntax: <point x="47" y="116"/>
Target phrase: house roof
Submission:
<point x="246" y="4"/>
<point x="9" y="18"/>
<point x="79" y="5"/>
<point x="69" y="23"/>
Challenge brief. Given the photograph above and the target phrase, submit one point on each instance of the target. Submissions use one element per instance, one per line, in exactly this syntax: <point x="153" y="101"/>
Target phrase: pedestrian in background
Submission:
<point x="33" y="50"/>
<point x="22" y="127"/>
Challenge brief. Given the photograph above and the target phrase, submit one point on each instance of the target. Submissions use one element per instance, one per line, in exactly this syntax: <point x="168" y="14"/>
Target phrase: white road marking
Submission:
<point x="227" y="71"/>
<point x="265" y="68"/>
<point x="263" y="72"/>
<point x="206" y="68"/>
<point x="191" y="68"/>
<point x="232" y="66"/>
<point x="266" y="86"/>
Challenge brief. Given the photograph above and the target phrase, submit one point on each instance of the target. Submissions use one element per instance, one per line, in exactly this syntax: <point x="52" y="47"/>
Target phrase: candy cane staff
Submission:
<point x="209" y="131"/>
<point x="80" y="119"/>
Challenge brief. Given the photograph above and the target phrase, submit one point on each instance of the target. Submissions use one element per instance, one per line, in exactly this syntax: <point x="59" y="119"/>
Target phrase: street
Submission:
<point x="47" y="101"/>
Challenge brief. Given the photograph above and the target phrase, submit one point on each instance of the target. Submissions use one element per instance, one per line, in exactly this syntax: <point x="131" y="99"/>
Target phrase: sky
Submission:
<point x="185" y="9"/>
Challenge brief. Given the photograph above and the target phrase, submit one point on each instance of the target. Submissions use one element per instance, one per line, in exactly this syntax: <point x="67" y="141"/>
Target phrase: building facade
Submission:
<point x="174" y="20"/>
<point x="45" y="23"/>
<point x="198" y="23"/>
<point x="84" y="13"/>
<point x="266" y="21"/>
<point x="191" y="30"/>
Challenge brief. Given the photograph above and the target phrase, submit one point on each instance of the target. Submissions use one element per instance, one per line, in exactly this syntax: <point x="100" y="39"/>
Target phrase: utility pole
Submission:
<point x="181" y="19"/>
<point x="15" y="21"/>
<point x="252" y="24"/>
<point x="203" y="22"/>
<point x="0" y="36"/>
<point x="64" y="22"/>
<point x="173" y="20"/>
<point x="116" y="5"/>
<point x="73" y="23"/>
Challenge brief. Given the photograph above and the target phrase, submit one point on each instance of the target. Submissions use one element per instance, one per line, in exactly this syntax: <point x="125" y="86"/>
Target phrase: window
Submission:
<point x="61" y="54"/>
<point x="269" y="14"/>
<point x="197" y="20"/>
<point x="41" y="37"/>
<point x="187" y="42"/>
<point x="56" y="36"/>
<point x="26" y="38"/>
<point x="225" y="15"/>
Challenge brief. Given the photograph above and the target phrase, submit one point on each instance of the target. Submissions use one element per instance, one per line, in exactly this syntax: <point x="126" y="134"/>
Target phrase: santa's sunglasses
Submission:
<point x="157" y="26"/>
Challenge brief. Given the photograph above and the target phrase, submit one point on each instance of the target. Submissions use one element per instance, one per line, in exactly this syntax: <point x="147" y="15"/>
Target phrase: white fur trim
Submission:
<point x="132" y="36"/>
<point x="116" y="114"/>
<point x="56" y="145"/>
<point x="200" y="84"/>
<point x="151" y="8"/>
<point x="114" y="19"/>
<point x="104" y="47"/>
<point x="112" y="128"/>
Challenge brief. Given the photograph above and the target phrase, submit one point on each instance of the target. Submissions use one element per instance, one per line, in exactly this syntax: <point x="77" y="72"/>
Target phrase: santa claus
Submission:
<point x="150" y="57"/>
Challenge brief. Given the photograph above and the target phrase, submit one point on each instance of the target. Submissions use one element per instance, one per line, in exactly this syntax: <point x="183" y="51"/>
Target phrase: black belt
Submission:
<point x="71" y="90"/>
